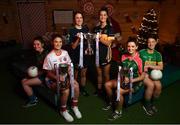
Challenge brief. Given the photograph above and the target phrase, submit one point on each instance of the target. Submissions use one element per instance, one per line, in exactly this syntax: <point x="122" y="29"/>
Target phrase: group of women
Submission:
<point x="141" y="62"/>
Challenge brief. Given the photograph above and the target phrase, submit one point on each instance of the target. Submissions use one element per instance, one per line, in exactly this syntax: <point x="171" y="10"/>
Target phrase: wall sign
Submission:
<point x="63" y="16"/>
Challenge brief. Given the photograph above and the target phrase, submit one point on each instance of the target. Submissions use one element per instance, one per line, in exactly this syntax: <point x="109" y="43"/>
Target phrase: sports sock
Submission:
<point x="74" y="103"/>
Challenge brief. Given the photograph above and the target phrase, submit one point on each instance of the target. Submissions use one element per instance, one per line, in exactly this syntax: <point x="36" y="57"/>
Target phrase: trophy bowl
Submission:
<point x="89" y="37"/>
<point x="63" y="69"/>
<point x="125" y="71"/>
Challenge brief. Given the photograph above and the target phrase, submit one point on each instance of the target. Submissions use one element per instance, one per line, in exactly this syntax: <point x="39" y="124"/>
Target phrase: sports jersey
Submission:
<point x="150" y="58"/>
<point x="76" y="52"/>
<point x="103" y="49"/>
<point x="136" y="63"/>
<point x="52" y="59"/>
<point x="40" y="58"/>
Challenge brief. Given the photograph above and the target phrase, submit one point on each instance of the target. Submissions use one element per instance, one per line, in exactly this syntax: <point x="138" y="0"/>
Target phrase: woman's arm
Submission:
<point x="139" y="78"/>
<point x="51" y="75"/>
<point x="75" y="43"/>
<point x="106" y="40"/>
<point x="157" y="67"/>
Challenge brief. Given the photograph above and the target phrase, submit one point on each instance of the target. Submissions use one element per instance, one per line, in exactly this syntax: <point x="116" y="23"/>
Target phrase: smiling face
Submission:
<point x="38" y="46"/>
<point x="103" y="16"/>
<point x="151" y="43"/>
<point x="78" y="19"/>
<point x="57" y="43"/>
<point x="132" y="47"/>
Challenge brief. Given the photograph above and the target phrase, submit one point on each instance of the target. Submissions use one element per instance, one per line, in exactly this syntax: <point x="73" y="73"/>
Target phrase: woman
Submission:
<point x="74" y="33"/>
<point x="131" y="59"/>
<point x="27" y="83"/>
<point x="60" y="56"/>
<point x="152" y="59"/>
<point x="105" y="29"/>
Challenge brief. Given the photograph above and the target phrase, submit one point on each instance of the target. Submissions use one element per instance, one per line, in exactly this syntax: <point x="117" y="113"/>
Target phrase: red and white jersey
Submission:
<point x="52" y="59"/>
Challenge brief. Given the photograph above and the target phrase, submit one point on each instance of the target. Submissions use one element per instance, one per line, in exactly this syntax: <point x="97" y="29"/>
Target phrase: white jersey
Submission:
<point x="52" y="59"/>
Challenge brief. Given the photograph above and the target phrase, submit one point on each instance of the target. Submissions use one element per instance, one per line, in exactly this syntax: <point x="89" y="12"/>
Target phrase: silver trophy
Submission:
<point x="63" y="73"/>
<point x="90" y="37"/>
<point x="125" y="73"/>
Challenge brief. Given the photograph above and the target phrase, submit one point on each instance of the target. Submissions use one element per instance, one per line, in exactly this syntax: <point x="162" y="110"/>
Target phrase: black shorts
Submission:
<point x="42" y="77"/>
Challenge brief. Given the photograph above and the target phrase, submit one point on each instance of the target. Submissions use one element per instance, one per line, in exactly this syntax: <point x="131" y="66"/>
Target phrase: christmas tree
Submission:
<point x="149" y="26"/>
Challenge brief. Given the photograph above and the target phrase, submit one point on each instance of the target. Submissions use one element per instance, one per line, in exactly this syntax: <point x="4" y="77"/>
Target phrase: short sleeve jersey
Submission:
<point x="103" y="49"/>
<point x="52" y="59"/>
<point x="75" y="53"/>
<point x="134" y="62"/>
<point x="150" y="58"/>
<point x="40" y="58"/>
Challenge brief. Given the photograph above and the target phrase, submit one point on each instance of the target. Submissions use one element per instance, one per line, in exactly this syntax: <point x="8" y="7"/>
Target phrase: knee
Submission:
<point x="23" y="81"/>
<point x="158" y="87"/>
<point x="76" y="85"/>
<point x="65" y="92"/>
<point x="108" y="85"/>
<point x="149" y="85"/>
<point x="83" y="74"/>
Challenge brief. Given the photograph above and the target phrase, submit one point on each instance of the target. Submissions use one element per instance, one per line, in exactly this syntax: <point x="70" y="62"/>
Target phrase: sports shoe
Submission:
<point x="84" y="92"/>
<point x="115" y="116"/>
<point x="31" y="103"/>
<point x="107" y="107"/>
<point x="148" y="110"/>
<point x="98" y="93"/>
<point x="67" y="116"/>
<point x="153" y="107"/>
<point x="77" y="112"/>
<point x="95" y="93"/>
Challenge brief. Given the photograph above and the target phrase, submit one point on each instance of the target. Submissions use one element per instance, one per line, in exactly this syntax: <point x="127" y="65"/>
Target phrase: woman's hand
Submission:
<point x="78" y="35"/>
<point x="126" y="80"/>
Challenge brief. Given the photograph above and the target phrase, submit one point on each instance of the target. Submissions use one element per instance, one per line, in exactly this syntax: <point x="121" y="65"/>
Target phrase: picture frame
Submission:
<point x="62" y="16"/>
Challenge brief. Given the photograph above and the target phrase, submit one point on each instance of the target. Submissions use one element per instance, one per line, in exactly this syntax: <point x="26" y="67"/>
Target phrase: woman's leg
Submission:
<point x="99" y="78"/>
<point x="107" y="72"/>
<point x="27" y="86"/>
<point x="28" y="83"/>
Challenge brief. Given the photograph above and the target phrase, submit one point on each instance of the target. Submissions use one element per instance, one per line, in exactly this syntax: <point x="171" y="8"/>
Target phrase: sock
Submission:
<point x="74" y="103"/>
<point x="154" y="100"/>
<point x="32" y="97"/>
<point x="147" y="102"/>
<point x="108" y="100"/>
<point x="82" y="88"/>
<point x="63" y="108"/>
<point x="119" y="109"/>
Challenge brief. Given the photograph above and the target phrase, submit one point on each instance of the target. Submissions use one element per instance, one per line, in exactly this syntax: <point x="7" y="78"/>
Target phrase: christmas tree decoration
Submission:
<point x="148" y="26"/>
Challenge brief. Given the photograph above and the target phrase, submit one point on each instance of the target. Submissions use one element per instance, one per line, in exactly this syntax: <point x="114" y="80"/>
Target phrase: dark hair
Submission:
<point x="39" y="38"/>
<point x="104" y="9"/>
<point x="77" y="12"/>
<point x="152" y="36"/>
<point x="132" y="39"/>
<point x="54" y="36"/>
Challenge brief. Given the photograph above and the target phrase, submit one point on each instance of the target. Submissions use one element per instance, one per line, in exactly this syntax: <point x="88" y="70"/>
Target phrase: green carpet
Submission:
<point x="12" y="98"/>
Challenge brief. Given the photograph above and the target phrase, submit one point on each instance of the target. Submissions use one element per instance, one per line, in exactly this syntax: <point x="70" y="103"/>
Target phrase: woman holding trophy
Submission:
<point x="79" y="45"/>
<point x="59" y="67"/>
<point x="103" y="50"/>
<point x="129" y="78"/>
